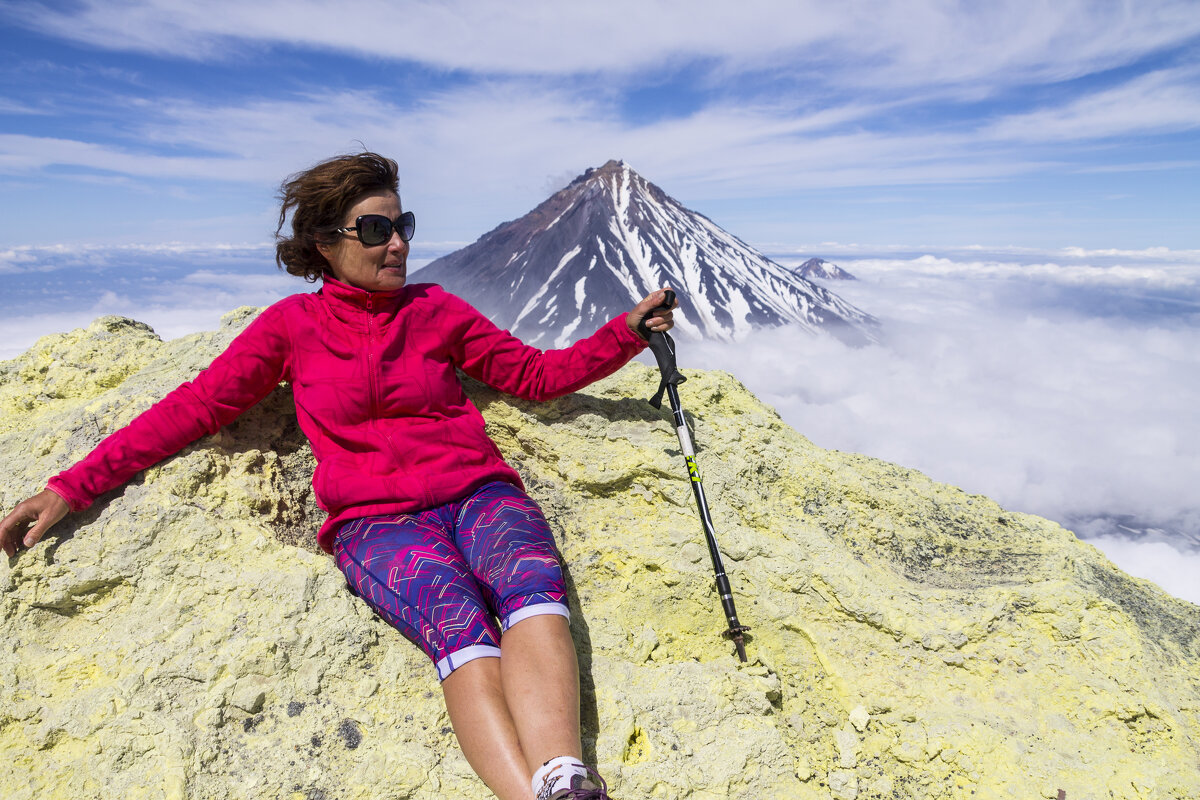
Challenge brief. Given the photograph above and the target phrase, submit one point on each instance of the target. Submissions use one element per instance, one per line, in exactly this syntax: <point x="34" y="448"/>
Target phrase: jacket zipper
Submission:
<point x="374" y="368"/>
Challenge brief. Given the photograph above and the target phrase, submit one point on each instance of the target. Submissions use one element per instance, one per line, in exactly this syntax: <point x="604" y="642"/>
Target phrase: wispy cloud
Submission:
<point x="19" y="152"/>
<point x="722" y="148"/>
<point x="737" y="150"/>
<point x="1141" y="166"/>
<point x="8" y="106"/>
<point x="869" y="42"/>
<point x="1162" y="101"/>
<point x="761" y="101"/>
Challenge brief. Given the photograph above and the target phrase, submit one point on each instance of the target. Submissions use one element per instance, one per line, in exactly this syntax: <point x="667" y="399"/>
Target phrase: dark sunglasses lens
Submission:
<point x="374" y="229"/>
<point x="408" y="225"/>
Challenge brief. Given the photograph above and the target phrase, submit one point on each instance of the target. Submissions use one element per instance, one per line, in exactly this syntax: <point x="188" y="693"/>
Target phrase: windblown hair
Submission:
<point x="318" y="199"/>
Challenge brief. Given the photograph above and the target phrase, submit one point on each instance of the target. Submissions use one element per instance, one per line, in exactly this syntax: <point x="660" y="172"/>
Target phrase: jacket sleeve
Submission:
<point x="252" y="365"/>
<point x="504" y="362"/>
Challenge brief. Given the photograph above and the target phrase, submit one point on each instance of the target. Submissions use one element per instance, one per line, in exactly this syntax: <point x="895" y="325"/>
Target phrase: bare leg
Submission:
<point x="485" y="730"/>
<point x="540" y="675"/>
<point x="514" y="713"/>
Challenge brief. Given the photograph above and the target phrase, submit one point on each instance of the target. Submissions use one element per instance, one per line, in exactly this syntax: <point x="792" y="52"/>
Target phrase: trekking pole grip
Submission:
<point x="663" y="347"/>
<point x="668" y="301"/>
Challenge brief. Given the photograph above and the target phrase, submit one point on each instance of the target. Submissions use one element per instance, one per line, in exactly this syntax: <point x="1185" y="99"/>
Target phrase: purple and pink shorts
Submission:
<point x="443" y="576"/>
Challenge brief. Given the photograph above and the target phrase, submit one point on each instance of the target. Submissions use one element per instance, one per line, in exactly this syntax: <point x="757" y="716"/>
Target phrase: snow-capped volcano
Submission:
<point x="607" y="240"/>
<point x="820" y="269"/>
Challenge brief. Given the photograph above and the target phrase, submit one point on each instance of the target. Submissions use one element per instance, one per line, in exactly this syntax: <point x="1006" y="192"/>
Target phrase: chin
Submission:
<point x="392" y="279"/>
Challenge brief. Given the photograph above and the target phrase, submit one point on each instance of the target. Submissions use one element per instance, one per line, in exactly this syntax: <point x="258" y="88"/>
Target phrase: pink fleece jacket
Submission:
<point x="373" y="375"/>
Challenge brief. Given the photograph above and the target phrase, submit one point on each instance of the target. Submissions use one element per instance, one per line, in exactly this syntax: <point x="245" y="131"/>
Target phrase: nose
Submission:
<point x="397" y="244"/>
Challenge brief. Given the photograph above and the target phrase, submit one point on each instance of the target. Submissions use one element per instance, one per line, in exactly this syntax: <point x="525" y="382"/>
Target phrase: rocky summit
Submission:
<point x="184" y="639"/>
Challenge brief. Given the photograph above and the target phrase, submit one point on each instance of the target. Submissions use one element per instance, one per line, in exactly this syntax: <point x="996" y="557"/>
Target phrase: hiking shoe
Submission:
<point x="583" y="787"/>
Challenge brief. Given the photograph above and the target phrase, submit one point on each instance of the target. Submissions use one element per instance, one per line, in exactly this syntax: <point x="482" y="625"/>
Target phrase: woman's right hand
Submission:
<point x="43" y="509"/>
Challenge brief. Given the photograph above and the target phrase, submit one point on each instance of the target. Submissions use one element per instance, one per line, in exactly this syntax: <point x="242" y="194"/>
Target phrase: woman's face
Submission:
<point x="377" y="269"/>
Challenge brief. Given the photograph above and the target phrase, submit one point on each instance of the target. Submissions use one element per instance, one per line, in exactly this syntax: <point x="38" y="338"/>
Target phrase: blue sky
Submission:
<point x="921" y="123"/>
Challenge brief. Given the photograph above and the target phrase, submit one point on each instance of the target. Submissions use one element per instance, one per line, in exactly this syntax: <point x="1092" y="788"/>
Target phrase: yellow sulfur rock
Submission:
<point x="184" y="639"/>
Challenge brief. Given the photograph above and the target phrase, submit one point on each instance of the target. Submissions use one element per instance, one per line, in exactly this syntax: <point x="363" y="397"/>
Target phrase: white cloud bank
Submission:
<point x="1063" y="418"/>
<point x="988" y="381"/>
<point x="1165" y="565"/>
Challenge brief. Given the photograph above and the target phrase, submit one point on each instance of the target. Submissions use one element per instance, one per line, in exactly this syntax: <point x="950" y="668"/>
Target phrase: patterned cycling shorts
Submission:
<point x="441" y="576"/>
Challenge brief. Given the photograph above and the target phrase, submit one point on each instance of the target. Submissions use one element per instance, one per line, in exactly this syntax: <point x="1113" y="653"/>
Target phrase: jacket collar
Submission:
<point x="344" y="293"/>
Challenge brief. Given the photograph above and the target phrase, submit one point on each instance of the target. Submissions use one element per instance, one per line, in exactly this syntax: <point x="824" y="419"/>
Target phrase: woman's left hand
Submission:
<point x="659" y="319"/>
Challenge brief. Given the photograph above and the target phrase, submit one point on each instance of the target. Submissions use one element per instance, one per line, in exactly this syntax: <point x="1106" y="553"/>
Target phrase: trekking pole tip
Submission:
<point x="737" y="634"/>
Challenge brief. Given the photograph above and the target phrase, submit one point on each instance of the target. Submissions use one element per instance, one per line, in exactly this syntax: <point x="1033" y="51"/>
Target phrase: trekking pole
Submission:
<point x="663" y="347"/>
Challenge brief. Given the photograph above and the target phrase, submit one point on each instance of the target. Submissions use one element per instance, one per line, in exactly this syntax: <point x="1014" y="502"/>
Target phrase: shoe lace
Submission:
<point x="596" y="790"/>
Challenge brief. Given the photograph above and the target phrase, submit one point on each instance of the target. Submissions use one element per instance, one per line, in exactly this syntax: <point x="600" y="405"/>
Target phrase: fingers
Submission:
<point x="658" y="298"/>
<point x="52" y="509"/>
<point x="658" y="317"/>
<point x="12" y="528"/>
<point x="43" y="510"/>
<point x="650" y="315"/>
<point x="39" y="529"/>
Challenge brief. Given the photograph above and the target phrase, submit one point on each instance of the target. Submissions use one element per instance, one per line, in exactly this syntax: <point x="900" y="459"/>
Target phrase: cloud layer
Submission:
<point x="1066" y="391"/>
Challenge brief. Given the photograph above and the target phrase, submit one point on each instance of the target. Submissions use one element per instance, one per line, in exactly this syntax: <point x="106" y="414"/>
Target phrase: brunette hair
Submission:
<point x="318" y="199"/>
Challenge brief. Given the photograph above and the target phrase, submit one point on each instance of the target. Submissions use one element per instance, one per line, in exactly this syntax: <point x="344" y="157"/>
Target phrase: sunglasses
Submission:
<point x="376" y="229"/>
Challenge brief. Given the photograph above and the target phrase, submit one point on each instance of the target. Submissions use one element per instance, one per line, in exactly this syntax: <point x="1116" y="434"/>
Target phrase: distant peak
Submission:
<point x="821" y="269"/>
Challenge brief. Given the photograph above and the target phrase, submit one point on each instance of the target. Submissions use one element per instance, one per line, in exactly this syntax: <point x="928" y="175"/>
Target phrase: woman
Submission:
<point x="428" y="523"/>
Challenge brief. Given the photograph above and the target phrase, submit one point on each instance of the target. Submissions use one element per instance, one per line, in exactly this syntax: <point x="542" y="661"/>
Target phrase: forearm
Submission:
<point x="250" y="367"/>
<point x="162" y="430"/>
<point x="527" y="372"/>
